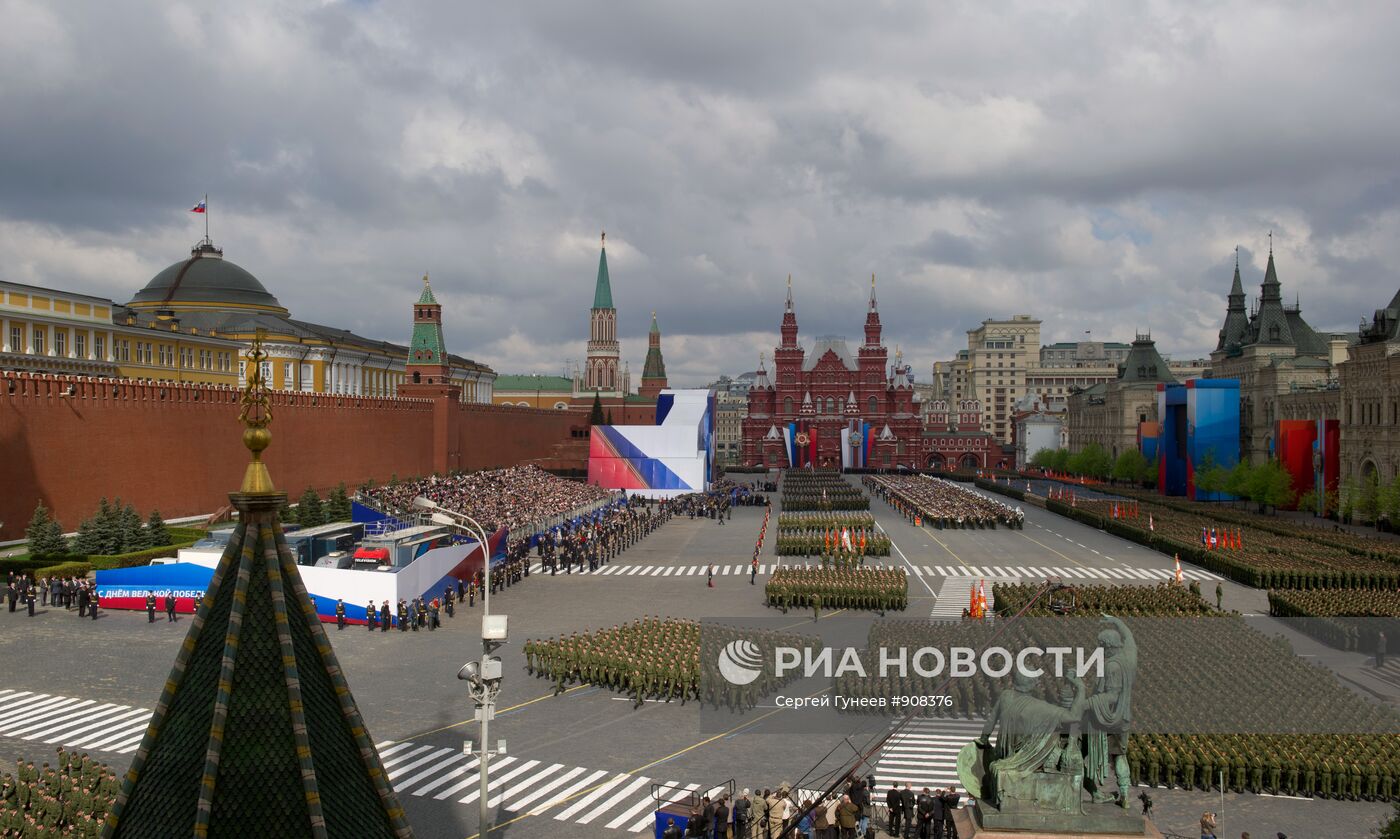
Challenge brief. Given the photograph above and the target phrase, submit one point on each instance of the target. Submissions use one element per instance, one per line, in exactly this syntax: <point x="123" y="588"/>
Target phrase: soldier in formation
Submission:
<point x="879" y="589"/>
<point x="1350" y="767"/>
<point x="70" y="799"/>
<point x="655" y="658"/>
<point x="942" y="503"/>
<point x="1165" y="599"/>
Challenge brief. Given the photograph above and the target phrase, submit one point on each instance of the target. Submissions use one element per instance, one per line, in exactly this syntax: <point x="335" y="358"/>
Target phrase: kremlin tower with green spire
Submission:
<point x="654" y="370"/>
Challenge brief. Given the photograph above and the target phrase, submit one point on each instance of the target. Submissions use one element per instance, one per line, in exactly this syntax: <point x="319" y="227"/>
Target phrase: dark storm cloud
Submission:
<point x="1091" y="163"/>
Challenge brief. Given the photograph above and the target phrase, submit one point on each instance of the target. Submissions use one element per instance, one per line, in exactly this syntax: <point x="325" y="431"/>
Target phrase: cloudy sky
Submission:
<point x="1091" y="163"/>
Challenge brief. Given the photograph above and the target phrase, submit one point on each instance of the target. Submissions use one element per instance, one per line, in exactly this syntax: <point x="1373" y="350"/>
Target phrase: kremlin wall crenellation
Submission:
<point x="57" y="433"/>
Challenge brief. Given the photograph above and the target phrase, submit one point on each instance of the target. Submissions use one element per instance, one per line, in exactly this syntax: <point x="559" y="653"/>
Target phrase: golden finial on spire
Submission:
<point x="256" y="415"/>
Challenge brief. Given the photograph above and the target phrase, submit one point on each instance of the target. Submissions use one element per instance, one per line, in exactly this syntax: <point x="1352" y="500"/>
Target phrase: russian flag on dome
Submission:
<point x="198" y="208"/>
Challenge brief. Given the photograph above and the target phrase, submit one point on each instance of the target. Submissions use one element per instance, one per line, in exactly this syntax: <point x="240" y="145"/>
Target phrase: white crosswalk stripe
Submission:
<point x="990" y="572"/>
<point x="494" y="782"/>
<point x="71" y="722"/>
<point x="583" y="803"/>
<point x="925" y="753"/>
<point x="548" y="787"/>
<point x="613" y="801"/>
<point x="953" y="598"/>
<point x="625" y="792"/>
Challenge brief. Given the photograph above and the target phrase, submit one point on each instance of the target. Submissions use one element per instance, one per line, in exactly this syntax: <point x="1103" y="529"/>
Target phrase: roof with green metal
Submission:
<point x="426" y="347"/>
<point x="517" y="382"/>
<point x="1270" y="324"/>
<point x="256" y="731"/>
<point x="1144" y="364"/>
<point x="427" y="298"/>
<point x="602" y="293"/>
<point x="206" y="278"/>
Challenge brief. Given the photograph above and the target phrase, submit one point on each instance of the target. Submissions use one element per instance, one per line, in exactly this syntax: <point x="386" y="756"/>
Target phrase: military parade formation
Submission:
<point x="1158" y="600"/>
<point x="1338" y="766"/>
<point x="876" y="589"/>
<point x="942" y="504"/>
<point x="69" y="799"/>
<point x="1278" y="724"/>
<point x="820" y="489"/>
<point x="828" y="534"/>
<point x="656" y="658"/>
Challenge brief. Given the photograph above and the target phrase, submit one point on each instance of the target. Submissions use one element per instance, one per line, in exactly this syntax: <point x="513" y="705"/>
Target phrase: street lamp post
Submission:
<point x="483" y="678"/>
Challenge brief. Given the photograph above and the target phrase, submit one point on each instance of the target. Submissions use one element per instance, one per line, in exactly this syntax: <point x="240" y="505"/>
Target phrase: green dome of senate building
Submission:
<point x="206" y="281"/>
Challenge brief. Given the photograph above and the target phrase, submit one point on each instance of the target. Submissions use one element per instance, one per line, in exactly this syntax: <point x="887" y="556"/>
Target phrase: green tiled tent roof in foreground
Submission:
<point x="256" y="732"/>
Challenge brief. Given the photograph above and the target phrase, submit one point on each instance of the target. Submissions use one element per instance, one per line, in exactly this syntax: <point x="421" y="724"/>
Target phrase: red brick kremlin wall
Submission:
<point x="178" y="448"/>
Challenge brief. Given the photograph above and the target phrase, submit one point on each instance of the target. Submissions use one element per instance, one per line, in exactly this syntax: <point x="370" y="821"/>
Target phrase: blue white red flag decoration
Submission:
<point x="200" y="207"/>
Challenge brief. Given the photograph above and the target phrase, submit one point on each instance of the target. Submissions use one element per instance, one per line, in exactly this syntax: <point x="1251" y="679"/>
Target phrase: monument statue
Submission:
<point x="1110" y="714"/>
<point x="1047" y="755"/>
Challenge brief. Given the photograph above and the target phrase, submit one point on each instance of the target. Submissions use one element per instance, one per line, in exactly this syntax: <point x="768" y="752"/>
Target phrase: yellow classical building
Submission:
<point x="50" y="331"/>
<point x="190" y="323"/>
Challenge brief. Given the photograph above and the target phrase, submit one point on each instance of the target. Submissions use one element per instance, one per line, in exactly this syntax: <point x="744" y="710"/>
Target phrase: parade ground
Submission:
<point x="586" y="763"/>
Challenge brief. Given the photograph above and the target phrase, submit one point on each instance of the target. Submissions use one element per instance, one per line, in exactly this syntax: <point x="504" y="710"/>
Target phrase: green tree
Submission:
<point x="106" y="529"/>
<point x="45" y="534"/>
<point x="87" y="541"/>
<point x="1308" y="501"/>
<point x="338" y="505"/>
<point x="1390" y="501"/>
<point x="1331" y="500"/>
<point x="1279" y="490"/>
<point x="309" y="511"/>
<point x="1368" y="503"/>
<point x="156" y="534"/>
<point x="1270" y="485"/>
<point x="1092" y="461"/>
<point x="1130" y="466"/>
<point x="1349" y="493"/>
<point x="595" y="415"/>
<point x="1238" y="482"/>
<point x="1211" y="477"/>
<point x="133" y="531"/>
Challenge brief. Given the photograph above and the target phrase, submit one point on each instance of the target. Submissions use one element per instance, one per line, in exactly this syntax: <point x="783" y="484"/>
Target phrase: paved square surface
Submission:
<point x="586" y="763"/>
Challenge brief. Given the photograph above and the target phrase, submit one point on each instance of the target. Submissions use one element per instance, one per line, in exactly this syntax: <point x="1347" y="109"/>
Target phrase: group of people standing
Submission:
<point x="926" y="815"/>
<point x="418" y="613"/>
<point x="21" y="591"/>
<point x="591" y="543"/>
<point x="777" y="814"/>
